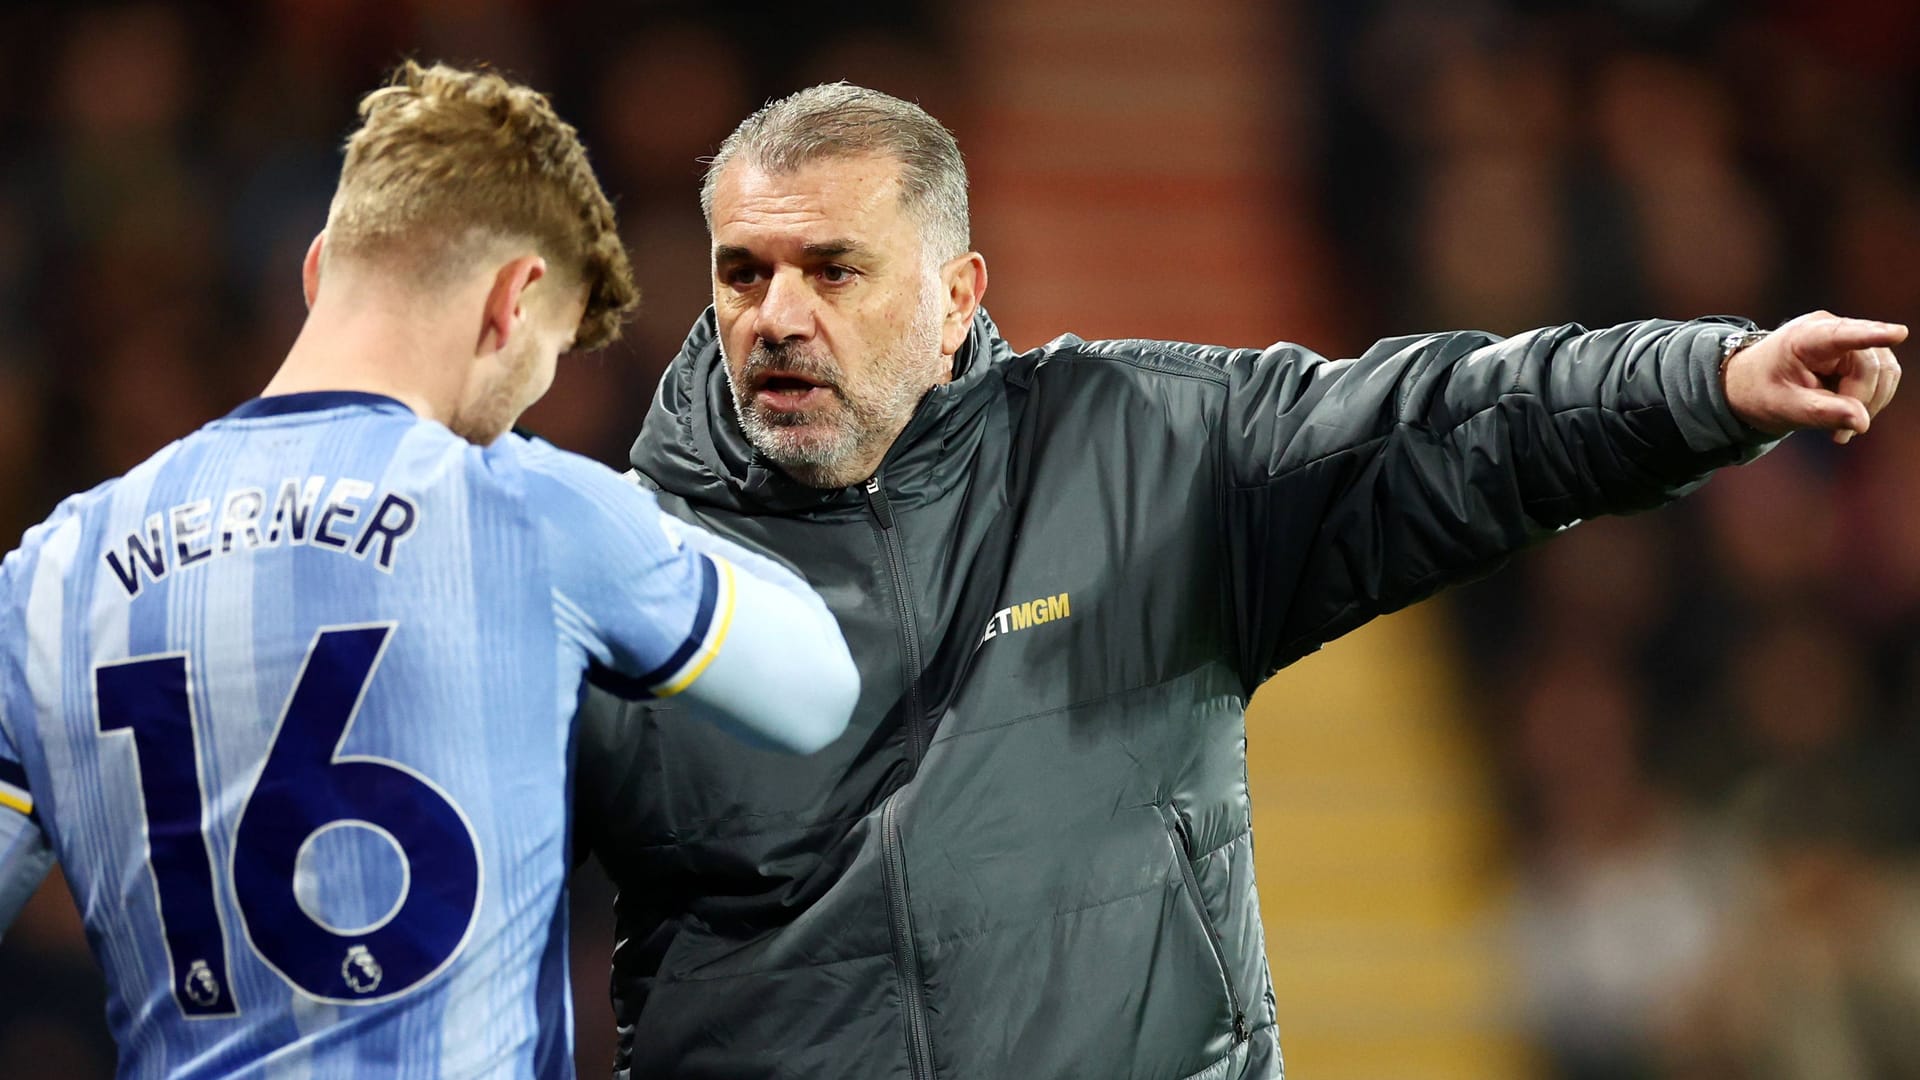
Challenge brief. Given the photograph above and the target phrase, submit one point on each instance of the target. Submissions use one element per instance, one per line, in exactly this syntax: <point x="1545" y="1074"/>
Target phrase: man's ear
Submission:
<point x="965" y="279"/>
<point x="310" y="268"/>
<point x="506" y="308"/>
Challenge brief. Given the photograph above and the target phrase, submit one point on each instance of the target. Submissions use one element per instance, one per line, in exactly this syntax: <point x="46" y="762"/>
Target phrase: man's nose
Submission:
<point x="786" y="310"/>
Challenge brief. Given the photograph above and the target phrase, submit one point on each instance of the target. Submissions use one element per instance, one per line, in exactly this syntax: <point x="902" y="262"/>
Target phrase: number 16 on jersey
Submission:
<point x="304" y="788"/>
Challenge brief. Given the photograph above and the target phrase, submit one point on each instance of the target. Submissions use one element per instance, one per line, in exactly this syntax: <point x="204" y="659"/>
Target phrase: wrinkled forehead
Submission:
<point x="857" y="196"/>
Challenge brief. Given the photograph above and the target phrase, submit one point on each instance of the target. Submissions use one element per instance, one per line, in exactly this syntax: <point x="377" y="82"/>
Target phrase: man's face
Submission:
<point x="830" y="317"/>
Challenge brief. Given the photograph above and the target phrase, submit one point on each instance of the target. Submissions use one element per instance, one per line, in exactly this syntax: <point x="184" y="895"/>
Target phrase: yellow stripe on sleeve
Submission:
<point x="718" y="638"/>
<point x="14" y="800"/>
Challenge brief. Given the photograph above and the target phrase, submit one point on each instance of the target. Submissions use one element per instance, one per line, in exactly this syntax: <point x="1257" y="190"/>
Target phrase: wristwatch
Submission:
<point x="1736" y="341"/>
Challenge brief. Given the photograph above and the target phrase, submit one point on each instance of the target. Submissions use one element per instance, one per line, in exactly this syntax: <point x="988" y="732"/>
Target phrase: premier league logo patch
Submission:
<point x="360" y="970"/>
<point x="200" y="985"/>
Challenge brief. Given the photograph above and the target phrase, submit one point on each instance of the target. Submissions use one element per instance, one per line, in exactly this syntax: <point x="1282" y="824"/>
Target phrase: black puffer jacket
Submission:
<point x="1029" y="857"/>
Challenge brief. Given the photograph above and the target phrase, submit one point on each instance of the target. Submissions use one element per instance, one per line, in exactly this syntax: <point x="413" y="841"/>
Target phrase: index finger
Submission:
<point x="1845" y="335"/>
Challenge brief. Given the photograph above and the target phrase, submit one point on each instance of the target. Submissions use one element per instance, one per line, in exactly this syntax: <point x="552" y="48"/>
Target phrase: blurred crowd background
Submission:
<point x="1700" y="724"/>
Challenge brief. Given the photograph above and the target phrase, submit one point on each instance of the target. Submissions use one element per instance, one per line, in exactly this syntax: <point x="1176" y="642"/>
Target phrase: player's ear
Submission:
<point x="310" y="268"/>
<point x="506" y="310"/>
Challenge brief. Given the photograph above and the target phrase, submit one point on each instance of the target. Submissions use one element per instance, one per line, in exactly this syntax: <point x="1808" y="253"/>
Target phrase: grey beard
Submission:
<point x="818" y="450"/>
<point x="835" y="449"/>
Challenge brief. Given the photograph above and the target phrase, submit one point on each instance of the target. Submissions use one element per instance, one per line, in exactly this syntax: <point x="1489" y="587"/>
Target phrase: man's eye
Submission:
<point x="740" y="277"/>
<point x="836" y="275"/>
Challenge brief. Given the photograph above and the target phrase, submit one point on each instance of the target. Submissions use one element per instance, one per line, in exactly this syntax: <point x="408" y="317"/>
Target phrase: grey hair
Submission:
<point x="840" y="119"/>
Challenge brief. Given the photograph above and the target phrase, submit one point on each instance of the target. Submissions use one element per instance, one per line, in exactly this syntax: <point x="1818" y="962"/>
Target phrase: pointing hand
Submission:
<point x="1817" y="372"/>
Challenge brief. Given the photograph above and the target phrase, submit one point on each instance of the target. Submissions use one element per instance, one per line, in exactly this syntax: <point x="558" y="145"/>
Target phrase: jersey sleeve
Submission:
<point x="14" y="793"/>
<point x="665" y="609"/>
<point x="25" y="857"/>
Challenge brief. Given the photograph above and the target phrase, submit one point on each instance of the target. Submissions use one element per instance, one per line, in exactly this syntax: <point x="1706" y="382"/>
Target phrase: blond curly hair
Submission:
<point x="447" y="164"/>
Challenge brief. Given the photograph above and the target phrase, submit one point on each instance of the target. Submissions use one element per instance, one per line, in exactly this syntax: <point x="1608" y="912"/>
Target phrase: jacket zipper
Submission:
<point x="1183" y="854"/>
<point x="903" y="605"/>
<point x="894" y="860"/>
<point x="919" y="1039"/>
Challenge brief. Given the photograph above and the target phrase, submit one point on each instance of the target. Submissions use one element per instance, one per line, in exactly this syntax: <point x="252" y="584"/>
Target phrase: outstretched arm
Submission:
<point x="1356" y="487"/>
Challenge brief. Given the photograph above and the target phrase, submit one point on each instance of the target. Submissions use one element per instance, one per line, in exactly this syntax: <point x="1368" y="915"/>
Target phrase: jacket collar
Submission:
<point x="691" y="444"/>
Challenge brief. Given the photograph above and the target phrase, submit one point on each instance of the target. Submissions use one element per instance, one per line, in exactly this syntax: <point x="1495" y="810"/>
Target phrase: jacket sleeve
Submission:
<point x="1355" y="487"/>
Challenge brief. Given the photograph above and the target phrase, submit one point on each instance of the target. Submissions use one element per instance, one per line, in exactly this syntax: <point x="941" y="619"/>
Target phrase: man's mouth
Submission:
<point x="786" y="391"/>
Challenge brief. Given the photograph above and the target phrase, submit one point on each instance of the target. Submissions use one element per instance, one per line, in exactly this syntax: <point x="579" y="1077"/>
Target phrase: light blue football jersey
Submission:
<point x="292" y="703"/>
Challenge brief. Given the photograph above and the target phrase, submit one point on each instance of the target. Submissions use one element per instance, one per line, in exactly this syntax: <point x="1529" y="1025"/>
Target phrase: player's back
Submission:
<point x="293" y="701"/>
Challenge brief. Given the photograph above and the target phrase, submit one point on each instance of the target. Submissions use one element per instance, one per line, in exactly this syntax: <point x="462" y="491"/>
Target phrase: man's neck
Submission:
<point x="373" y="352"/>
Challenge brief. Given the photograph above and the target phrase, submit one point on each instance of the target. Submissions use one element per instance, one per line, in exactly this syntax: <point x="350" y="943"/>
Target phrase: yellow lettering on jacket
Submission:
<point x="1025" y="615"/>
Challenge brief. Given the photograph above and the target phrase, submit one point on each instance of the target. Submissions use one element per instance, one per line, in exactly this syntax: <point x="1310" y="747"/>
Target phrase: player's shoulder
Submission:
<point x="73" y="516"/>
<point x="14" y="567"/>
<point x="549" y="469"/>
<point x="82" y="507"/>
<point x="535" y="454"/>
<point x="75" y="507"/>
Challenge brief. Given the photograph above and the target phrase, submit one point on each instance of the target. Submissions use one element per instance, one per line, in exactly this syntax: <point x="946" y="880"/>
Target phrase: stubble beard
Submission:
<point x="497" y="407"/>
<point x="840" y="444"/>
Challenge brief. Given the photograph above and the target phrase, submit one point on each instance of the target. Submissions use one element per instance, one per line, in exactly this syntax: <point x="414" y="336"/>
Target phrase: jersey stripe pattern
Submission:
<point x="292" y="701"/>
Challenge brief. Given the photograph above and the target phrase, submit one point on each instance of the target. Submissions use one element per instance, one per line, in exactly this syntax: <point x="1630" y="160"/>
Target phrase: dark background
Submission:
<point x="1697" y="727"/>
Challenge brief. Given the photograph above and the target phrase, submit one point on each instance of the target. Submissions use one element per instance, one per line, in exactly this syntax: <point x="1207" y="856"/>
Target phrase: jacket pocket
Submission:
<point x="1182" y="842"/>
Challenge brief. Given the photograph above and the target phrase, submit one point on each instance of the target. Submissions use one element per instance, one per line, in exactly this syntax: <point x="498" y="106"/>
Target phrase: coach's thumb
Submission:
<point x="1824" y="410"/>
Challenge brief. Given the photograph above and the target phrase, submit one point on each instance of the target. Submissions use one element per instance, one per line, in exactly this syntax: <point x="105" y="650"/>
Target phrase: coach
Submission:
<point x="1062" y="573"/>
